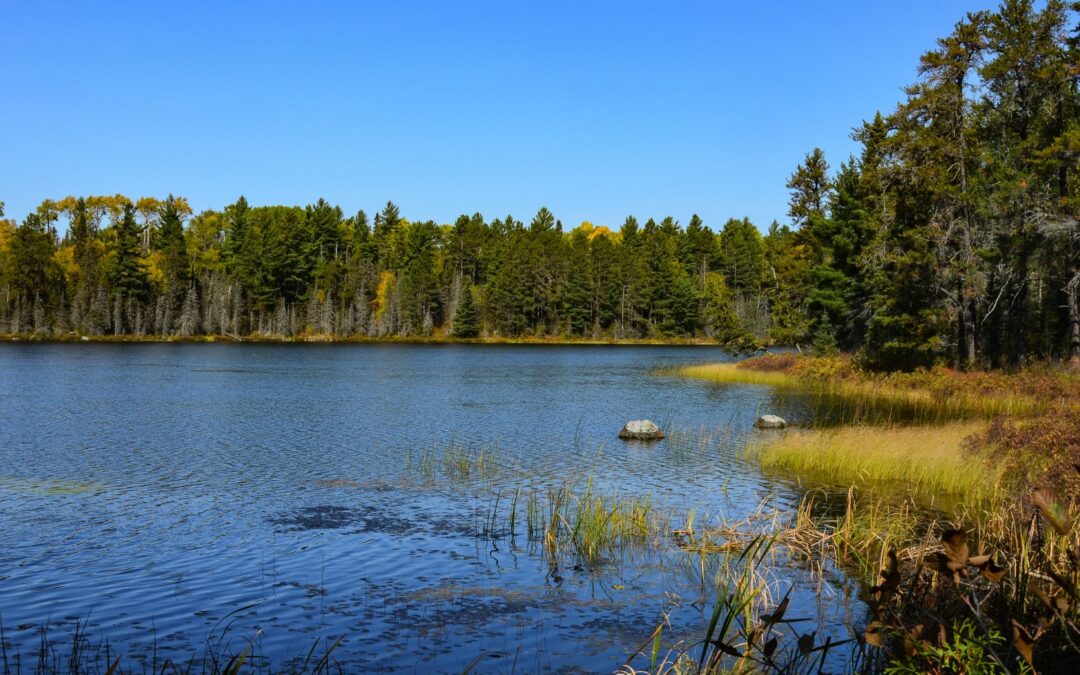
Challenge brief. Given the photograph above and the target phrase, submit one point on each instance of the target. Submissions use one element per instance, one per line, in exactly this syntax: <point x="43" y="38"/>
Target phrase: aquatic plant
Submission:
<point x="942" y="592"/>
<point x="594" y="526"/>
<point x="455" y="462"/>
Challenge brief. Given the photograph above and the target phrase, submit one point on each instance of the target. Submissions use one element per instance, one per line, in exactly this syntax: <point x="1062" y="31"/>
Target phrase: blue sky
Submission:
<point x="594" y="109"/>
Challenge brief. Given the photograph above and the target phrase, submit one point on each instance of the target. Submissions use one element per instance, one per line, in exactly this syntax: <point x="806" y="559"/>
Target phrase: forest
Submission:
<point x="952" y="236"/>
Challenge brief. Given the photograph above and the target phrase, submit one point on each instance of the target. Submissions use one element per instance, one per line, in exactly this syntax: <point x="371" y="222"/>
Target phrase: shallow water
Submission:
<point x="174" y="495"/>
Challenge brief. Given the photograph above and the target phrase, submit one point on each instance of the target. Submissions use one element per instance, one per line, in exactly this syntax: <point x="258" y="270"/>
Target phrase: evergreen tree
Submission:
<point x="466" y="320"/>
<point x="170" y="241"/>
<point x="129" y="278"/>
<point x="34" y="274"/>
<point x="810" y="188"/>
<point x="741" y="255"/>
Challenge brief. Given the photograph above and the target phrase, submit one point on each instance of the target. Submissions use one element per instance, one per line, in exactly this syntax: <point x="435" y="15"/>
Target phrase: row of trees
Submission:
<point x="954" y="235"/>
<point x="150" y="268"/>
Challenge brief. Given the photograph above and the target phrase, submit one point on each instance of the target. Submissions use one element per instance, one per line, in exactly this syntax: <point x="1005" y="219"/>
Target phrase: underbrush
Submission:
<point x="990" y="590"/>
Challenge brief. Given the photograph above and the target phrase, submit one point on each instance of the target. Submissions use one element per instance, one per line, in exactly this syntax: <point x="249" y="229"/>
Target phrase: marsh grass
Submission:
<point x="591" y="526"/>
<point x="930" y="459"/>
<point x="855" y="396"/>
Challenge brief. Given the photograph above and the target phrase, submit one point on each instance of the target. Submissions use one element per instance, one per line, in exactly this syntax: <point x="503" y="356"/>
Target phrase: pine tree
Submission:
<point x="129" y="278"/>
<point x="824" y="342"/>
<point x="810" y="188"/>
<point x="466" y="321"/>
<point x="170" y="241"/>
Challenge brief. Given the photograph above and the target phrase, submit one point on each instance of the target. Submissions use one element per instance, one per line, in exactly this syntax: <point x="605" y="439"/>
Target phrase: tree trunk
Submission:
<point x="963" y="328"/>
<point x="1022" y="314"/>
<point x="1071" y="290"/>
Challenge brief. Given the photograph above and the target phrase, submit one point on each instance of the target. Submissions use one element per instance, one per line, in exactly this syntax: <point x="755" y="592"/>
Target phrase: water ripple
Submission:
<point x="157" y="488"/>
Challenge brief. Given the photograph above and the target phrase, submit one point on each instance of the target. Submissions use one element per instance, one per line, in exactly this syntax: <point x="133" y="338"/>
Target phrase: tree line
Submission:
<point x="953" y="235"/>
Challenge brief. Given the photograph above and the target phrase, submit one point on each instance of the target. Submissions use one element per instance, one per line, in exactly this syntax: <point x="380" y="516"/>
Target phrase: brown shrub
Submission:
<point x="771" y="363"/>
<point x="1042" y="451"/>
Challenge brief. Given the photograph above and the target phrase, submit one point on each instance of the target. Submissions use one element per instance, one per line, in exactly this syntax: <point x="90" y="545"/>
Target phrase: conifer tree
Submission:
<point x="129" y="278"/>
<point x="466" y="319"/>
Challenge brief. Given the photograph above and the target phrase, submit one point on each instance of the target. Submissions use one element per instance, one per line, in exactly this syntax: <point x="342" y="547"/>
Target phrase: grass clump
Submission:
<point x="455" y="463"/>
<point x="932" y="459"/>
<point x="591" y="525"/>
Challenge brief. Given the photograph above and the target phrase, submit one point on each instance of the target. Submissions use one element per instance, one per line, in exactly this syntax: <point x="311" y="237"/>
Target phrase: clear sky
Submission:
<point x="594" y="109"/>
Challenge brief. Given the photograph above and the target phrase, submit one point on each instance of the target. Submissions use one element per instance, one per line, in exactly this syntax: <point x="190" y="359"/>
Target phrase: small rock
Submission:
<point x="84" y="339"/>
<point x="770" y="422"/>
<point x="643" y="430"/>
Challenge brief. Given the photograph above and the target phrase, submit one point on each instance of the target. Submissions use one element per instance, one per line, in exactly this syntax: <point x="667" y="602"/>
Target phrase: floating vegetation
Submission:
<point x="365" y="519"/>
<point x="338" y="483"/>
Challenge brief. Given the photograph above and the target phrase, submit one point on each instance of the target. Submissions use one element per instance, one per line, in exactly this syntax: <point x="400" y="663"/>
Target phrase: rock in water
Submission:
<point x="641" y="430"/>
<point x="770" y="422"/>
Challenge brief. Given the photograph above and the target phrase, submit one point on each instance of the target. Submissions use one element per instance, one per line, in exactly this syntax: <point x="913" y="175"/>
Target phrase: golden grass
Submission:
<point x="930" y="458"/>
<point x="926" y="397"/>
<point x="730" y="373"/>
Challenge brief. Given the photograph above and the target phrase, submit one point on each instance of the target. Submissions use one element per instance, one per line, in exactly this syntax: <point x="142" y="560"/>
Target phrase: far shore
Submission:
<point x="330" y="339"/>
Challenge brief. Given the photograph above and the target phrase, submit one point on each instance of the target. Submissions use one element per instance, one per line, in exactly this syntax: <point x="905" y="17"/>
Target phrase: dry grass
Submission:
<point x="932" y="459"/>
<point x="936" y="396"/>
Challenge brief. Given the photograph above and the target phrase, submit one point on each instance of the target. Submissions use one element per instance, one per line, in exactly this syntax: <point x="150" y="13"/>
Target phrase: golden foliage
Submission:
<point x="155" y="270"/>
<point x="593" y="231"/>
<point x="7" y="233"/>
<point x="602" y="231"/>
<point x="382" y="294"/>
<point x="65" y="260"/>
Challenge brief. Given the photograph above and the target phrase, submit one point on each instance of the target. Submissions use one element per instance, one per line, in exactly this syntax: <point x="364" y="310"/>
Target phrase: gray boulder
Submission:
<point x="770" y="422"/>
<point x="643" y="430"/>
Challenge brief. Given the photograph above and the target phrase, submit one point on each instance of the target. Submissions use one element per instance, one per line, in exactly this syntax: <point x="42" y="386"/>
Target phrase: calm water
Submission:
<point x="174" y="495"/>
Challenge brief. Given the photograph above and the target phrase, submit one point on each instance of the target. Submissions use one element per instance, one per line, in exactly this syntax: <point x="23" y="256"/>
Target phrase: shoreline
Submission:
<point x="326" y="339"/>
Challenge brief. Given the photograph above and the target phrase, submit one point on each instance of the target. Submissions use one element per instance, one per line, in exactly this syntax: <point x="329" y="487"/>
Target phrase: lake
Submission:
<point x="176" y="498"/>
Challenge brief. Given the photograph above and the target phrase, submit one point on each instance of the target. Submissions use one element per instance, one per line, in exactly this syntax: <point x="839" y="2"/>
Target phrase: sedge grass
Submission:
<point x="594" y="526"/>
<point x="881" y="397"/>
<point x="931" y="459"/>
